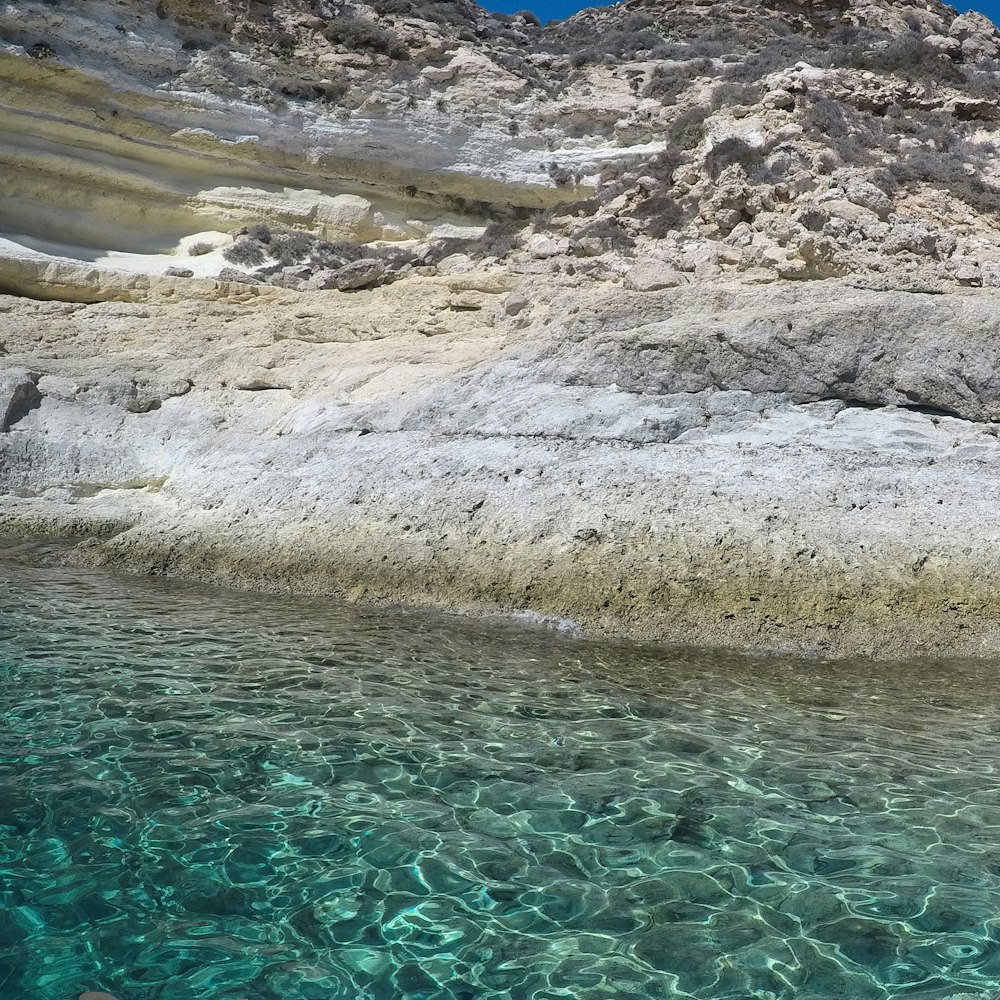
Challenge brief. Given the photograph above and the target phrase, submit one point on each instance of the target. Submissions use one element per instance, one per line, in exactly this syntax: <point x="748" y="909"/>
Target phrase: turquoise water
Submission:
<point x="205" y="795"/>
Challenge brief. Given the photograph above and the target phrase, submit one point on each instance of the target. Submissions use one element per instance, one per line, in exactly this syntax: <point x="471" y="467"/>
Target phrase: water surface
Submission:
<point x="206" y="795"/>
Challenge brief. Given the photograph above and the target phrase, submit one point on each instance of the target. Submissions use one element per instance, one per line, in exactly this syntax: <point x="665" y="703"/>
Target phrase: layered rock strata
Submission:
<point x="803" y="467"/>
<point x="613" y="321"/>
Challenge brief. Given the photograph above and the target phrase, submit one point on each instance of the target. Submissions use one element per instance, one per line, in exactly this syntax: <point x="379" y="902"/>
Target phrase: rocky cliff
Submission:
<point x="671" y="320"/>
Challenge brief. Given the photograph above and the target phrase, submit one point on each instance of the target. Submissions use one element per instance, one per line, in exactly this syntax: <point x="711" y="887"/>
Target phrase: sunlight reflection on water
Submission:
<point x="211" y="795"/>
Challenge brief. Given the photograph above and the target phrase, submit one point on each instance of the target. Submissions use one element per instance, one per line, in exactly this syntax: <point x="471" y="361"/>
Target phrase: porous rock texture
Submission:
<point x="675" y="325"/>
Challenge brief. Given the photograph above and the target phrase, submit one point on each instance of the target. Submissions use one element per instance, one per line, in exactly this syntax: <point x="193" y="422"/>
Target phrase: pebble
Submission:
<point x="96" y="996"/>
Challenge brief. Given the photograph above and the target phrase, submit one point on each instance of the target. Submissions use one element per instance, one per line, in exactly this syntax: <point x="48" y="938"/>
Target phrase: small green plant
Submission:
<point x="662" y="31"/>
<point x="259" y="231"/>
<point x="688" y="128"/>
<point x="291" y="247"/>
<point x="735" y="150"/>
<point x="560" y="175"/>
<point x="42" y="50"/>
<point x="498" y="239"/>
<point x="245" y="252"/>
<point x="359" y="33"/>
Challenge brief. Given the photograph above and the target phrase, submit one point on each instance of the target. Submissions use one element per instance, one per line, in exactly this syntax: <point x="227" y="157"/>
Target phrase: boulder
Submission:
<point x="515" y="303"/>
<point x="653" y="276"/>
<point x="234" y="274"/>
<point x="283" y="280"/>
<point x="360" y="274"/>
<point x="822" y="257"/>
<point x="741" y="236"/>
<point x="648" y="184"/>
<point x="455" y="263"/>
<point x="179" y="272"/>
<point x="321" y="280"/>
<point x="721" y="128"/>
<point x="977" y="34"/>
<point x="974" y="49"/>
<point x="868" y="196"/>
<point x="911" y="237"/>
<point x="968" y="109"/>
<point x="587" y="246"/>
<point x="989" y="271"/>
<point x="541" y="247"/>
<point x="779" y="100"/>
<point x="945" y="44"/>
<point x="972" y="24"/>
<point x="18" y="394"/>
<point x="841" y="208"/>
<point x="967" y="273"/>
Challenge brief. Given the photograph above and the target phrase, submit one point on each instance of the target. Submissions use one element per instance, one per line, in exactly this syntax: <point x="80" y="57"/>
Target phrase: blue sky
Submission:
<point x="546" y="10"/>
<point x="549" y="9"/>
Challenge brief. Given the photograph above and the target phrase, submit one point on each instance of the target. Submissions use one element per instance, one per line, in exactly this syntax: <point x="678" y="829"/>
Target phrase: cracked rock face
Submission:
<point x="616" y="320"/>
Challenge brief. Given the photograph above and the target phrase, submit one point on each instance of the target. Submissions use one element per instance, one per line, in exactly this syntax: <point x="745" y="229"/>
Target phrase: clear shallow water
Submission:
<point x="206" y="795"/>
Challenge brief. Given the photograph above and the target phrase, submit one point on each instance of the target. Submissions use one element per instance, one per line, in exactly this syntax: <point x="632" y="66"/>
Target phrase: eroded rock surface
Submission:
<point x="676" y="321"/>
<point x="810" y="466"/>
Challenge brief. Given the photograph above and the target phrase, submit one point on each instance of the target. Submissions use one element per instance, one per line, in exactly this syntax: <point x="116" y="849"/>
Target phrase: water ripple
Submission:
<point x="208" y="795"/>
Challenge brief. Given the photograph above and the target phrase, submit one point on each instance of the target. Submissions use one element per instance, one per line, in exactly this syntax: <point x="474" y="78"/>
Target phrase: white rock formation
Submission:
<point x="798" y="467"/>
<point x="736" y="384"/>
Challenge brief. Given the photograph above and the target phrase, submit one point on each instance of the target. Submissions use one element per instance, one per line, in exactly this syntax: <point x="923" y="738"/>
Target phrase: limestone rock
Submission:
<point x="284" y="280"/>
<point x="911" y="238"/>
<point x="456" y="263"/>
<point x="779" y="99"/>
<point x="722" y="404"/>
<point x="653" y="276"/>
<point x="18" y="394"/>
<point x="234" y="274"/>
<point x="979" y="47"/>
<point x="974" y="26"/>
<point x="972" y="109"/>
<point x="322" y="280"/>
<point x="444" y="439"/>
<point x="841" y="208"/>
<point x="515" y="303"/>
<point x="542" y="247"/>
<point x="587" y="246"/>
<point x="869" y="196"/>
<point x="945" y="44"/>
<point x="968" y="274"/>
<point x="360" y="274"/>
<point x="990" y="273"/>
<point x="721" y="129"/>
